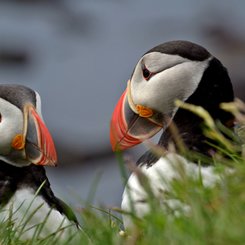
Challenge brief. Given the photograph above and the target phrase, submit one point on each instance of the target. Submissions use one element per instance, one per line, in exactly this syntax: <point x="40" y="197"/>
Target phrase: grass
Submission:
<point x="217" y="213"/>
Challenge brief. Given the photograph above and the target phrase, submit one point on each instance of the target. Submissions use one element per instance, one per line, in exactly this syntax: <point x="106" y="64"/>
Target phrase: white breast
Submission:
<point x="25" y="205"/>
<point x="159" y="175"/>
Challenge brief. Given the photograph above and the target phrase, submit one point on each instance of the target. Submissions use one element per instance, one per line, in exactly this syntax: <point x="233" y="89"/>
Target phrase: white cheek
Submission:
<point x="178" y="82"/>
<point x="10" y="126"/>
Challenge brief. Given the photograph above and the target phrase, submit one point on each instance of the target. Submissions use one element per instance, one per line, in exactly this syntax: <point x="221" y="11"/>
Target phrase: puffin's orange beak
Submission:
<point x="39" y="145"/>
<point x="119" y="132"/>
<point x="129" y="128"/>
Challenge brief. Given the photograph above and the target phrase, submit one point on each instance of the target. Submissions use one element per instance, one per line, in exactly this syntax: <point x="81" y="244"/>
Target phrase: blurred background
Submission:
<point x="79" y="55"/>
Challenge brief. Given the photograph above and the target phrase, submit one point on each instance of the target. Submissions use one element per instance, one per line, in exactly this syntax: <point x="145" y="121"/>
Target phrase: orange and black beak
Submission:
<point x="132" y="124"/>
<point x="36" y="140"/>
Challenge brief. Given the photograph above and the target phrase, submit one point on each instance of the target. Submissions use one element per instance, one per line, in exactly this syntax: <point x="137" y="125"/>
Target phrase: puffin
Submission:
<point x="175" y="70"/>
<point x="26" y="146"/>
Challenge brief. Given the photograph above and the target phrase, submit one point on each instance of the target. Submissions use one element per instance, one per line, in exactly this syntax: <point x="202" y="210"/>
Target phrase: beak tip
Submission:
<point x="116" y="144"/>
<point x="115" y="148"/>
<point x="54" y="161"/>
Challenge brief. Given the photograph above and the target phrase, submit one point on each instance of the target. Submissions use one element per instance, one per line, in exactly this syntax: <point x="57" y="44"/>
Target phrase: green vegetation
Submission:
<point x="217" y="214"/>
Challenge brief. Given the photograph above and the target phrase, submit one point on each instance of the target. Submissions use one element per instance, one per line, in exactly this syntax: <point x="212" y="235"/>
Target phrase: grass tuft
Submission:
<point x="216" y="214"/>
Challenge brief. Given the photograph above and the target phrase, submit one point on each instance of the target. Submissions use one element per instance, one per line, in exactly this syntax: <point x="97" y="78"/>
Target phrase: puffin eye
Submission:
<point x="0" y="117"/>
<point x="146" y="73"/>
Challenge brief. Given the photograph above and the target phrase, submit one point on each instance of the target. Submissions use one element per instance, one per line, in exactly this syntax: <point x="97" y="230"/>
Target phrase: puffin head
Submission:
<point x="24" y="138"/>
<point x="174" y="70"/>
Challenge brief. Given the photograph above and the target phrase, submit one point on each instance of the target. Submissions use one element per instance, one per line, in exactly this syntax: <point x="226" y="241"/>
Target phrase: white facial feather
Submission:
<point x="11" y="124"/>
<point x="174" y="77"/>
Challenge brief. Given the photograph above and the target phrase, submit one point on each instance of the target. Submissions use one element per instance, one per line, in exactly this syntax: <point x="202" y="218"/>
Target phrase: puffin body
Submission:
<point x="160" y="174"/>
<point x="25" y="192"/>
<point x="26" y="146"/>
<point x="176" y="70"/>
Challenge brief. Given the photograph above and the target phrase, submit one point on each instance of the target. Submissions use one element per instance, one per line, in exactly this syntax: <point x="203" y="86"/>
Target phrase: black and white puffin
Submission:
<point x="25" y="147"/>
<point x="173" y="70"/>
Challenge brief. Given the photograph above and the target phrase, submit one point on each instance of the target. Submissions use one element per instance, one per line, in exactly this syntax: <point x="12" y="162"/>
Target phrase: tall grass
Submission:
<point x="217" y="213"/>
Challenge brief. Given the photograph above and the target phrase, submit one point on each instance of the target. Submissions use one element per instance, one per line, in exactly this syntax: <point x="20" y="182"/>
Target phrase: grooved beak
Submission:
<point x="129" y="128"/>
<point x="39" y="145"/>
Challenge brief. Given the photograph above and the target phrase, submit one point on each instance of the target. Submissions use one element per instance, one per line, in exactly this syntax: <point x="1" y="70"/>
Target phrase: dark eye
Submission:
<point x="0" y="117"/>
<point x="146" y="73"/>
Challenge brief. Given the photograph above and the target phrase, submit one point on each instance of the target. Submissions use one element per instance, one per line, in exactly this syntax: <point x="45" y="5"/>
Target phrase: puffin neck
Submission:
<point x="214" y="88"/>
<point x="14" y="178"/>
